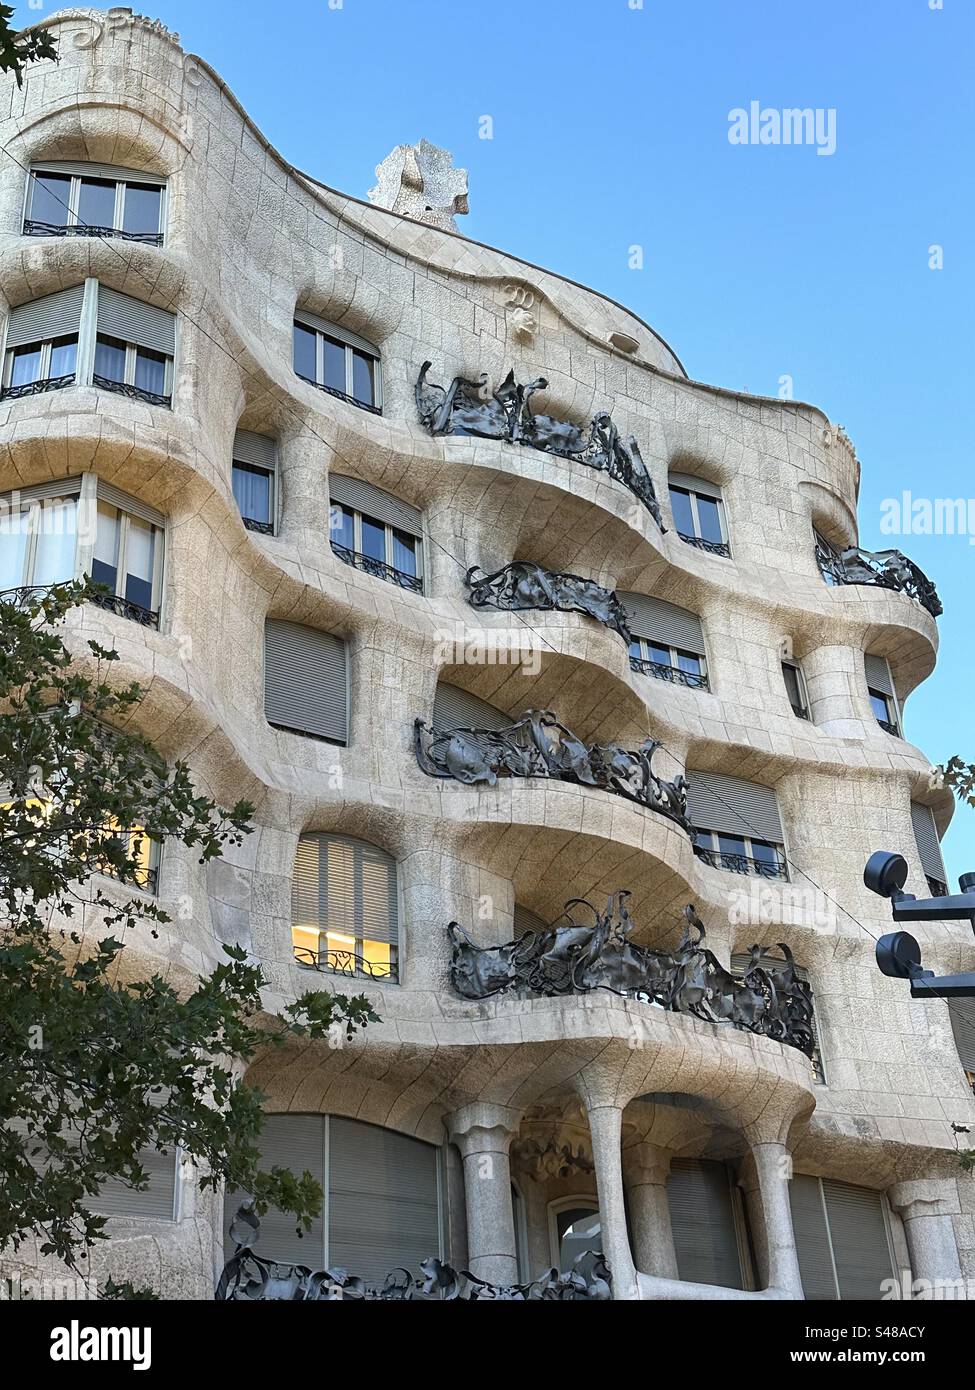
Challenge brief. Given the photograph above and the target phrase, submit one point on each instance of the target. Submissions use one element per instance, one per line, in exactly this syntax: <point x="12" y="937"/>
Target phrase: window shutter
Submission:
<point x="121" y="316"/>
<point x="693" y="484"/>
<point x="732" y="806"/>
<point x="298" y="1143"/>
<point x="962" y="1015"/>
<point x="858" y="1231"/>
<point x="878" y="674"/>
<point x="659" y="621"/>
<point x="54" y="316"/>
<point x="342" y="335"/>
<point x="383" y="1200"/>
<point x="454" y="708"/>
<point x="928" y="844"/>
<point x="703" y="1220"/>
<point x="525" y="920"/>
<point x="259" y="450"/>
<point x="115" y="497"/>
<point x="43" y="492"/>
<point x="812" y="1238"/>
<point x="347" y="885"/>
<point x="305" y="680"/>
<point x="363" y="497"/>
<point x="97" y="171"/>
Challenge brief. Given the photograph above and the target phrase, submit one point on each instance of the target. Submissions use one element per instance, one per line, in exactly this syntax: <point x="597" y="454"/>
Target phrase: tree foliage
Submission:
<point x="18" y="49"/>
<point x="97" y="1063"/>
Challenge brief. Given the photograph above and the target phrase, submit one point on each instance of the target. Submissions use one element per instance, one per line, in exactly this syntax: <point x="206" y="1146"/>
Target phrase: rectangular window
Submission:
<point x="883" y="708"/>
<point x="305" y="681"/>
<point x="253" y="493"/>
<point x="741" y="854"/>
<point x="31" y="367"/>
<point x="337" y="362"/>
<point x="673" y="664"/>
<point x="133" y="370"/>
<point x="90" y="200"/>
<point x="699" y="515"/>
<point x="376" y="547"/>
<point x="345" y="911"/>
<point x="795" y="687"/>
<point x="37" y="543"/>
<point x="126" y="560"/>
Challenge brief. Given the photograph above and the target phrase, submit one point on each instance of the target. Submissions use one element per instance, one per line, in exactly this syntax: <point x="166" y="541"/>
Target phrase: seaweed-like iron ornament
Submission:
<point x="525" y="585"/>
<point x="585" y="950"/>
<point x="537" y="745"/>
<point x="471" y="407"/>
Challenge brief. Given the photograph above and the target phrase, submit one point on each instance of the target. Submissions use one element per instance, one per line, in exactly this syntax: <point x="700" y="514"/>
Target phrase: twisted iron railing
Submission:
<point x="264" y="528"/>
<point x="340" y="395"/>
<point x="34" y="228"/>
<point x="379" y="568"/>
<point x="344" y="963"/>
<point x="125" y="608"/>
<point x="741" y="863"/>
<point x="126" y="388"/>
<point x="694" y="680"/>
<point x="711" y="547"/>
<point x="889" y="727"/>
<point x="36" y="388"/>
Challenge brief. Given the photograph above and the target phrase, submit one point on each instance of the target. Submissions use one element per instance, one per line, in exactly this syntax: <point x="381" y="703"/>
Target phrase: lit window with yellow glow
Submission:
<point x="345" y="913"/>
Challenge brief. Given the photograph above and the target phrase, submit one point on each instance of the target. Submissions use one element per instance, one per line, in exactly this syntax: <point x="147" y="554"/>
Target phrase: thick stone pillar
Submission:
<point x="926" y="1207"/>
<point x="765" y="1178"/>
<point x="605" y="1128"/>
<point x="645" y="1170"/>
<point x="483" y="1132"/>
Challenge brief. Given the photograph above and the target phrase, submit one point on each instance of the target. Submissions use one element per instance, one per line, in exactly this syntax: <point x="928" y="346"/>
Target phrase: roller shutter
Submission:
<point x="305" y="680"/>
<point x="133" y="321"/>
<point x="157" y="1202"/>
<point x="55" y="316"/>
<point x="454" y="708"/>
<point x="732" y="806"/>
<point x="962" y="1015"/>
<point x="345" y="885"/>
<point x="659" y="621"/>
<point x="259" y="450"/>
<point x="811" y="1231"/>
<point x="692" y="484"/>
<point x="97" y="171"/>
<point x="878" y="674"/>
<point x="702" y="1216"/>
<point x="295" y="1142"/>
<point x="928" y="844"/>
<point x="841" y="1239"/>
<point x="115" y="497"/>
<point x="525" y="920"/>
<point x="332" y="330"/>
<point x="374" y="502"/>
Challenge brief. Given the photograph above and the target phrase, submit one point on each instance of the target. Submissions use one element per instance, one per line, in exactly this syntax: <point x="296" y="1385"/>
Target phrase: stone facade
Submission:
<point x="631" y="1086"/>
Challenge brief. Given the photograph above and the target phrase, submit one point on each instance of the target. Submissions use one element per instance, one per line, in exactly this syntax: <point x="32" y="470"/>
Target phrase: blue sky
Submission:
<point x="610" y="128"/>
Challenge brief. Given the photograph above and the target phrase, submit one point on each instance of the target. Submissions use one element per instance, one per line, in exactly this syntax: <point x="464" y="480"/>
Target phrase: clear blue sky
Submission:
<point x="611" y="129"/>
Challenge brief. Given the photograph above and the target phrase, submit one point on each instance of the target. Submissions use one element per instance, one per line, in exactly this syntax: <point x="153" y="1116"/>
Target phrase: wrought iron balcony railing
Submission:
<point x="741" y="863"/>
<point x="125" y="608"/>
<point x="799" y="711"/>
<point x="345" y="963"/>
<point x="883" y="569"/>
<point x="889" y="727"/>
<point x="340" y="395"/>
<point x="466" y="407"/>
<point x="36" y="388"/>
<point x="662" y="671"/>
<point x="537" y="745"/>
<point x="524" y="585"/>
<point x="936" y="887"/>
<point x="585" y="950"/>
<point x="34" y="228"/>
<point x="378" y="568"/>
<point x="711" y="547"/>
<point x="263" y="528"/>
<point x="125" y="388"/>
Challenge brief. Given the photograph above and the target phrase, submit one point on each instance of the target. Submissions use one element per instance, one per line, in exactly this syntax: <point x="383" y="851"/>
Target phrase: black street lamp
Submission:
<point x="898" y="953"/>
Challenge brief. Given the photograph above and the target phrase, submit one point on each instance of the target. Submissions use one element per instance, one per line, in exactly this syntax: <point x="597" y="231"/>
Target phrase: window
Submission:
<point x="929" y="849"/>
<point x="736" y="825"/>
<point x="574" y="1227"/>
<point x="125" y="345"/>
<point x="828" y="559"/>
<point x="382" y="1208"/>
<point x="795" y="686"/>
<point x="253" y="478"/>
<point x="668" y="642"/>
<point x="306" y="686"/>
<point x="880" y="688"/>
<point x="698" y="511"/>
<point x="962" y="1015"/>
<point x="376" y="532"/>
<point x="70" y="199"/>
<point x="707" y="1222"/>
<point x="841" y="1239"/>
<point x="337" y="361"/>
<point x="158" y="1201"/>
<point x="41" y="351"/>
<point x="345" y="907"/>
<point x="120" y="546"/>
<point x="741" y="963"/>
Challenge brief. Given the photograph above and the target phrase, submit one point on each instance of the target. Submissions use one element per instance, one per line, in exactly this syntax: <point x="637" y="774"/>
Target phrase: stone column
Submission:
<point x="645" y="1170"/>
<point x="765" y="1178"/>
<point x="483" y="1131"/>
<point x="926" y="1207"/>
<point x="834" y="676"/>
<point x="605" y="1128"/>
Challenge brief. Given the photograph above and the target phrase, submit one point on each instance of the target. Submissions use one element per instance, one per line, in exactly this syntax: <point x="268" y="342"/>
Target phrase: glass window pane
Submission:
<point x="64" y="357"/>
<point x="680" y="502"/>
<point x="305" y="352"/>
<point x="13" y="546"/>
<point x="110" y="359"/>
<point x="659" y="654"/>
<point x="363" y="378"/>
<point x="710" y="519"/>
<point x="881" y="707"/>
<point x="252" y="491"/>
<point x="139" y="555"/>
<point x="792" y="685"/>
<point x="636" y="649"/>
<point x="764" y="853"/>
<point x="104" y="569"/>
<point x="404" y="553"/>
<point x="96" y="207"/>
<point x="26" y="365"/>
<point x="335" y="364"/>
<point x="140" y="211"/>
<point x="342" y="523"/>
<point x="150" y="371"/>
<point x="373" y="539"/>
<point x="731" y="844"/>
<point x="689" y="662"/>
<point x="49" y="198"/>
<point x="55" y="526"/>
